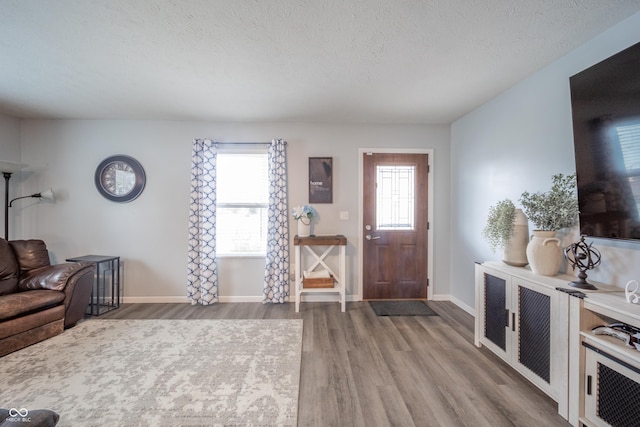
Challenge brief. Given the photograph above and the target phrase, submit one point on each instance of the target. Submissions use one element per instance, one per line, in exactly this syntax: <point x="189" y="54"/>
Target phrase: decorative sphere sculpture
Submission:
<point x="584" y="257"/>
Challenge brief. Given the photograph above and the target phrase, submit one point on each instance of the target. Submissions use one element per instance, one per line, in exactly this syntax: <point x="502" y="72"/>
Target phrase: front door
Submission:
<point x="395" y="226"/>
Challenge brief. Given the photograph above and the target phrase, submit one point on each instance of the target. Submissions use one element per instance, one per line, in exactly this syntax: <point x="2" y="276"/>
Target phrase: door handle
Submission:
<point x="369" y="237"/>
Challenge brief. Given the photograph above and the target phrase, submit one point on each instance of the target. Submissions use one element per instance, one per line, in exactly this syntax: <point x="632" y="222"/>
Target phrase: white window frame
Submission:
<point x="241" y="150"/>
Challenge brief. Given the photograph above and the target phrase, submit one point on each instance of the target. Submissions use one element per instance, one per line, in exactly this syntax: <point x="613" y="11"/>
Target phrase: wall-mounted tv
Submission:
<point x="605" y="102"/>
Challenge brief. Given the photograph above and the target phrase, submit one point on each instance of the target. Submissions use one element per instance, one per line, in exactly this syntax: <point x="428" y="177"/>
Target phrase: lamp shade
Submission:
<point x="48" y="195"/>
<point x="11" y="167"/>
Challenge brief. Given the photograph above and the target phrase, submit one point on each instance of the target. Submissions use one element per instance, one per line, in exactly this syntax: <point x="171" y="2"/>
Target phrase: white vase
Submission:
<point x="515" y="251"/>
<point x="544" y="253"/>
<point x="304" y="227"/>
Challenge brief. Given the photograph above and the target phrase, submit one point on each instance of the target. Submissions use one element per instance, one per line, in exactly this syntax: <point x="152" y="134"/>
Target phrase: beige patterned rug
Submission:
<point x="161" y="373"/>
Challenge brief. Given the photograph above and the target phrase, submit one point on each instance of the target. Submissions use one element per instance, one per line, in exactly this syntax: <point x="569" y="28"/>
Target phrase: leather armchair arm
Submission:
<point x="78" y="293"/>
<point x="74" y="279"/>
<point x="53" y="277"/>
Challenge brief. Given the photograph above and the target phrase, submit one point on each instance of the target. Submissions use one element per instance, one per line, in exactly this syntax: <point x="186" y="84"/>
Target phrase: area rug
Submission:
<point x="161" y="373"/>
<point x="401" y="308"/>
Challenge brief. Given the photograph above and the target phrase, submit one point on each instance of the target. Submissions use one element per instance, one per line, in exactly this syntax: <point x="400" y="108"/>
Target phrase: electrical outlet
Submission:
<point x="344" y="215"/>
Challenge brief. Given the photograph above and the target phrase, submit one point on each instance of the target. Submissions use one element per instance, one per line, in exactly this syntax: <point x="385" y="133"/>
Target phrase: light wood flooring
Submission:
<point x="362" y="370"/>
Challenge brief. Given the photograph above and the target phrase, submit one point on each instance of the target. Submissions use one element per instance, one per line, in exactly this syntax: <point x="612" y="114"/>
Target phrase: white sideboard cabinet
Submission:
<point x="521" y="317"/>
<point x="605" y="375"/>
<point x="538" y="326"/>
<point x="544" y="330"/>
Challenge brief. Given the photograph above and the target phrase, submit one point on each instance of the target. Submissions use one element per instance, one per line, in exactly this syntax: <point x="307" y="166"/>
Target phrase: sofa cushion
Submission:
<point x="8" y="269"/>
<point x="31" y="322"/>
<point x="25" y="302"/>
<point x="30" y="254"/>
<point x="8" y="286"/>
<point x="32" y="336"/>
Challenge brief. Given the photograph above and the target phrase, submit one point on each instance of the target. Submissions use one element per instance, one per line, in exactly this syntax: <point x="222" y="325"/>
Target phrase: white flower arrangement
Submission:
<point x="304" y="212"/>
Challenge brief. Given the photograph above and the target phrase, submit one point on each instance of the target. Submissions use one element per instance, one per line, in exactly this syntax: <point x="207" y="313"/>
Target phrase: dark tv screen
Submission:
<point x="605" y="103"/>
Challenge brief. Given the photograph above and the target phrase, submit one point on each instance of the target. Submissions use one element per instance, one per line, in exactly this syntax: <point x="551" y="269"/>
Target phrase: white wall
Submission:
<point x="9" y="152"/>
<point x="9" y="139"/>
<point x="516" y="142"/>
<point x="150" y="232"/>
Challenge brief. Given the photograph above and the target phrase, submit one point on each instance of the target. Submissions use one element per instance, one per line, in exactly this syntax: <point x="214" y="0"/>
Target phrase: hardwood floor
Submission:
<point x="362" y="370"/>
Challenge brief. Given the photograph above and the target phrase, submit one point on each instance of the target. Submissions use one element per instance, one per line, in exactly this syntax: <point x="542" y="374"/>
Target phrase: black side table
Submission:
<point x="105" y="295"/>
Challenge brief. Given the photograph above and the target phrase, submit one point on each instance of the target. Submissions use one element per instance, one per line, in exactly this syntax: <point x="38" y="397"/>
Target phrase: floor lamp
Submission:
<point x="8" y="169"/>
<point x="7" y="177"/>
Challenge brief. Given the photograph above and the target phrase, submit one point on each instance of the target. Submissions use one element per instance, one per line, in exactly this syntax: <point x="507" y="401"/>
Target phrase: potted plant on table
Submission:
<point x="303" y="214"/>
<point x="550" y="212"/>
<point x="507" y="228"/>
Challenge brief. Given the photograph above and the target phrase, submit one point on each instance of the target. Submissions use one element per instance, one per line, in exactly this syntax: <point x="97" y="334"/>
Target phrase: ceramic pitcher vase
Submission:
<point x="544" y="253"/>
<point x="515" y="251"/>
<point x="304" y="227"/>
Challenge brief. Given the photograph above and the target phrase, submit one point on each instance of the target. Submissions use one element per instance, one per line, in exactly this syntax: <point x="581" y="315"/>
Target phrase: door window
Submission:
<point x="395" y="197"/>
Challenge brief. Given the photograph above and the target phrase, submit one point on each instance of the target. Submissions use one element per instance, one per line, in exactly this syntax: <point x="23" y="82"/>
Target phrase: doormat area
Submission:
<point x="401" y="308"/>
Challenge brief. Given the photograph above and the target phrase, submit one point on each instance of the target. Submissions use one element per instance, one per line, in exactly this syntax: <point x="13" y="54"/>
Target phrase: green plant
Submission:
<point x="499" y="228"/>
<point x="555" y="209"/>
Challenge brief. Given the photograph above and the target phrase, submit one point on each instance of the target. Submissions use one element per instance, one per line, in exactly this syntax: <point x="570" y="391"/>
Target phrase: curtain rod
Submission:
<point x="246" y="143"/>
<point x="243" y="143"/>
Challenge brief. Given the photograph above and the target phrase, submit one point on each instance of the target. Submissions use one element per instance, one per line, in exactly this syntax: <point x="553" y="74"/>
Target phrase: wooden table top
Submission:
<point x="324" y="240"/>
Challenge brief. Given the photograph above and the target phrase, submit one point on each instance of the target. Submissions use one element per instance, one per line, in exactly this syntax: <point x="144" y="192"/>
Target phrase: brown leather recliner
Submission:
<point x="38" y="300"/>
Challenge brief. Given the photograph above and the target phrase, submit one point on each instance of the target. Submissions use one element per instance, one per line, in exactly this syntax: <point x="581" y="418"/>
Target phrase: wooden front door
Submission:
<point x="395" y="226"/>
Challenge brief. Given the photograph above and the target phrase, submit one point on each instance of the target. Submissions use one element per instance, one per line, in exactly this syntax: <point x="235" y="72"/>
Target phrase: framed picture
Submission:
<point x="320" y="179"/>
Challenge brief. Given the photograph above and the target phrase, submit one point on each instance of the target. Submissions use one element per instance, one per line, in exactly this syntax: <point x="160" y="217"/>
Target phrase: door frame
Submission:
<point x="430" y="198"/>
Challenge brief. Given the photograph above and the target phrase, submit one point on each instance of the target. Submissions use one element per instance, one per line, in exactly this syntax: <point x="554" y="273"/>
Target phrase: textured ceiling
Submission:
<point x="383" y="61"/>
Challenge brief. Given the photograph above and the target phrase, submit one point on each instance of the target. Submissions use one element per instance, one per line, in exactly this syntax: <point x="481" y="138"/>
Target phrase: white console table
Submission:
<point x="319" y="258"/>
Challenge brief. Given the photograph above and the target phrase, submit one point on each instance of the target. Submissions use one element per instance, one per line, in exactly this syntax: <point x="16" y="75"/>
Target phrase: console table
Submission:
<point x="105" y="294"/>
<point x="319" y="258"/>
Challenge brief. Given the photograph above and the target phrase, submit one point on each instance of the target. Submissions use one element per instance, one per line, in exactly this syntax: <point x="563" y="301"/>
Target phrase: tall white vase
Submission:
<point x="304" y="227"/>
<point x="515" y="251"/>
<point x="544" y="253"/>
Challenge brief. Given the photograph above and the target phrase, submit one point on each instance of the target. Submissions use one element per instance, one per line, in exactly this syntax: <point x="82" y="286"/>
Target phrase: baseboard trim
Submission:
<point x="463" y="306"/>
<point x="241" y="299"/>
<point x="174" y="299"/>
<point x="169" y="299"/>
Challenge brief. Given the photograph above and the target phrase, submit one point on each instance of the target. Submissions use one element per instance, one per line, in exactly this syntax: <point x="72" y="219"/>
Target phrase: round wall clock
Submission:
<point x="120" y="178"/>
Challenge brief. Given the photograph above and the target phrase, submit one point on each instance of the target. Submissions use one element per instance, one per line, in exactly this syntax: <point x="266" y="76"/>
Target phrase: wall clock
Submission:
<point x="120" y="178"/>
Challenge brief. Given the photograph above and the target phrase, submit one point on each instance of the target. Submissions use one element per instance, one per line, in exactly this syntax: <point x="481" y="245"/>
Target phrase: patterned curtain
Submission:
<point x="276" y="274"/>
<point x="202" y="275"/>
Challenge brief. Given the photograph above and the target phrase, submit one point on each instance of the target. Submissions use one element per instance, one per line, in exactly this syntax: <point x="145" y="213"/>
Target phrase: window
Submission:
<point x="242" y="189"/>
<point x="395" y="197"/>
